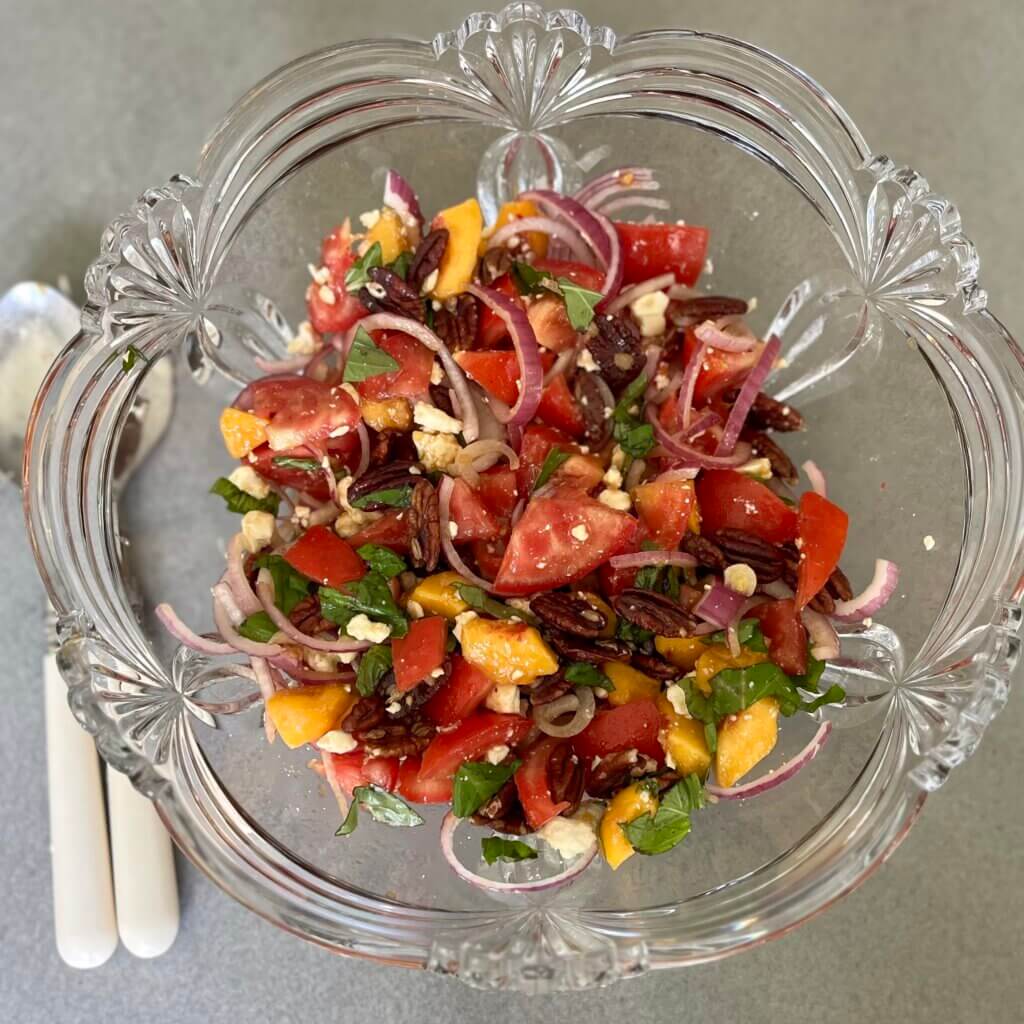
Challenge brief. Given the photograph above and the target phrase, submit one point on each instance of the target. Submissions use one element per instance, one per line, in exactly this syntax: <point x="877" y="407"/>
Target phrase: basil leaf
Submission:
<point x="835" y="694"/>
<point x="290" y="462"/>
<point x="374" y="665"/>
<point x="734" y="689"/>
<point x="697" y="702"/>
<point x="631" y="396"/>
<point x="672" y="585"/>
<point x="238" y="501"/>
<point x="401" y="263"/>
<point x="496" y="848"/>
<point x="634" y="635"/>
<point x="348" y="826"/>
<point x="476" y="782"/>
<point x="130" y="358"/>
<point x="290" y="586"/>
<point x="382" y="560"/>
<point x="579" y="303"/>
<point x="358" y="274"/>
<point x="711" y="737"/>
<point x="810" y="679"/>
<point x="366" y="360"/>
<point x="657" y="833"/>
<point x="528" y="279"/>
<point x="647" y="577"/>
<point x="635" y="439"/>
<point x="258" y="627"/>
<point x="385" y="807"/>
<point x="396" y="497"/>
<point x="370" y="595"/>
<point x="749" y="633"/>
<point x="552" y="461"/>
<point x="579" y="673"/>
<point x="479" y="600"/>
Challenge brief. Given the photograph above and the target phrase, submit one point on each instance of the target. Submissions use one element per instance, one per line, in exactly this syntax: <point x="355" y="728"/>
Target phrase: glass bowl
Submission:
<point x="911" y="387"/>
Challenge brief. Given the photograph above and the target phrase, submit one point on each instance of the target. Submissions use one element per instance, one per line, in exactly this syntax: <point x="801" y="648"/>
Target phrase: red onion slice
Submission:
<point x="298" y="671"/>
<point x="444" y="501"/>
<point x="293" y="364"/>
<point x="873" y="597"/>
<point x="719" y="605"/>
<point x="222" y="618"/>
<point x="822" y="635"/>
<point x="586" y="223"/>
<point x="816" y="477"/>
<point x="546" y="225"/>
<point x="691" y="456"/>
<point x="169" y="617"/>
<point x="236" y="579"/>
<point x="265" y="590"/>
<point x="564" y="364"/>
<point x="637" y="291"/>
<point x="705" y="421"/>
<point x="745" y="399"/>
<point x="481" y="455"/>
<point x="774" y="778"/>
<point x="327" y="767"/>
<point x="580" y="702"/>
<point x="531" y="372"/>
<point x="625" y="202"/>
<point x="399" y="195"/>
<point x="688" y="383"/>
<point x="640" y="559"/>
<point x="265" y="681"/>
<point x="575" y="868"/>
<point x="712" y="334"/>
<point x="613" y="264"/>
<point x="364" y="451"/>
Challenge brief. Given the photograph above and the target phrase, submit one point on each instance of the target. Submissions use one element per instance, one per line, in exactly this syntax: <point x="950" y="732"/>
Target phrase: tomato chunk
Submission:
<point x="730" y="500"/>
<point x="419" y="652"/>
<point x="719" y="371"/>
<point x="496" y="372"/>
<point x="324" y="557"/>
<point x="356" y="769"/>
<point x="665" y="508"/>
<point x="580" y="273"/>
<point x="470" y="515"/>
<point x="497" y="490"/>
<point x="785" y="634"/>
<point x="628" y="726"/>
<point x="550" y="323"/>
<point x="534" y="786"/>
<point x="652" y="249"/>
<point x="488" y="555"/>
<point x="411" y="379"/>
<point x="559" y="409"/>
<point x="491" y="329"/>
<point x="822" y="530"/>
<point x="418" y="790"/>
<point x="537" y="442"/>
<point x="470" y="740"/>
<point x="390" y="531"/>
<point x="460" y="695"/>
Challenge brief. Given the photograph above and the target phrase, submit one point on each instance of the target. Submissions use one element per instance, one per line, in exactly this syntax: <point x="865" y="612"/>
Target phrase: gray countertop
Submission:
<point x="100" y="100"/>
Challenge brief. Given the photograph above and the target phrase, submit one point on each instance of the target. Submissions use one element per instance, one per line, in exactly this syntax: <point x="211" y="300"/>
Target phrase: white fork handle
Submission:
<point x="145" y="885"/>
<point x="83" y="899"/>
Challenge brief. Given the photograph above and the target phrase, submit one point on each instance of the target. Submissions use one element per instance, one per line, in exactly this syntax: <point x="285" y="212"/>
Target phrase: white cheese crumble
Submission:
<point x="929" y="542"/>
<point x="430" y="282"/>
<point x="618" y="500"/>
<point x="351" y="521"/>
<point x="460" y="620"/>
<point x="453" y="529"/>
<point x="569" y="836"/>
<point x="337" y="741"/>
<point x="585" y="361"/>
<point x="304" y="342"/>
<point x="676" y="696"/>
<point x="741" y="578"/>
<point x="326" y="294"/>
<point x="300" y="516"/>
<point x="362" y="627"/>
<point x="321" y="275"/>
<point x="257" y="530"/>
<point x="504" y="699"/>
<point x="415" y="609"/>
<point x="326" y="661"/>
<point x="649" y="311"/>
<point x="245" y="478"/>
<point x="580" y="532"/>
<point x="496" y="754"/>
<point x="436" y="451"/>
<point x="519" y="603"/>
<point x="369" y="219"/>
<point x="613" y="477"/>
<point x="436" y="373"/>
<point x="429" y="417"/>
<point x="761" y="469"/>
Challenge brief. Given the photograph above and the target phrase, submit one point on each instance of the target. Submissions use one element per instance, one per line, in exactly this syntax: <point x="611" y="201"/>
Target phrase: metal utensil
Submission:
<point x="35" y="322"/>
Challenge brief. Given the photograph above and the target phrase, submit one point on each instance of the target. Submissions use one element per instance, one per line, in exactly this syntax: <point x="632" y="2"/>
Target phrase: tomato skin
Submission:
<point x="719" y="371"/>
<point x="542" y="551"/>
<point x="649" y="250"/>
<point x="579" y="273"/>
<point x="533" y="785"/>
<point x="664" y="508"/>
<point x="497" y="490"/>
<point x="614" y="581"/>
<point x="392" y="531"/>
<point x="419" y="652"/>
<point x="496" y="372"/>
<point x="822" y="530"/>
<point x="356" y="769"/>
<point x="488" y="555"/>
<point x="324" y="557"/>
<point x="335" y="317"/>
<point x="558" y="408"/>
<point x="537" y="442"/>
<point x="418" y="790"/>
<point x="730" y="500"/>
<point x="491" y="329"/>
<point x="460" y="695"/>
<point x="472" y="517"/>
<point x="314" y="482"/>
<point x="411" y="379"/>
<point x="785" y="634"/>
<point x="470" y="740"/>
<point x="628" y="726"/>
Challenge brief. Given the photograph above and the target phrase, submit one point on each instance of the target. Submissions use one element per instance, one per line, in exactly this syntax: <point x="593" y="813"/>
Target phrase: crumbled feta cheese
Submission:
<point x="362" y="627"/>
<point x="304" y="342"/>
<point x="429" y="417"/>
<point x="460" y="620"/>
<point x="504" y="699"/>
<point x="436" y="373"/>
<point x="585" y="361"/>
<point x="760" y="469"/>
<point x="709" y="266"/>
<point x="436" y="673"/>
<point x="393" y="708"/>
<point x="569" y="836"/>
<point x="326" y="294"/>
<point x="519" y="603"/>
<point x="245" y="478"/>
<point x="453" y="528"/>
<point x="580" y="532"/>
<point x="430" y="282"/>
<point x="676" y="696"/>
<point x="281" y="439"/>
<point x="649" y="311"/>
<point x="751" y="303"/>
<point x="320" y="661"/>
<point x="352" y="520"/>
<point x="670" y="761"/>
<point x="661" y="381"/>
<point x="436" y="451"/>
<point x="321" y="275"/>
<point x="257" y="530"/>
<point x="300" y="516"/>
<point x="613" y="477"/>
<point x="618" y="457"/>
<point x="618" y="500"/>
<point x="337" y="741"/>
<point x="369" y="219"/>
<point x="415" y="609"/>
<point x="741" y="578"/>
<point x="929" y="542"/>
<point x="496" y="754"/>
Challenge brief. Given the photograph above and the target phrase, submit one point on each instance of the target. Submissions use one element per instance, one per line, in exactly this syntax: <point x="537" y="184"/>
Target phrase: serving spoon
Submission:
<point x="36" y="321"/>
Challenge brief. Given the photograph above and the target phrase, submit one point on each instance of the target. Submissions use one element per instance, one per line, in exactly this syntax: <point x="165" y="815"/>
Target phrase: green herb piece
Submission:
<point x="290" y="586"/>
<point x="672" y="585"/>
<point x="647" y="577"/>
<point x="657" y="833"/>
<point x="131" y="357"/>
<point x="579" y="673"/>
<point x="366" y="359"/>
<point x="634" y="437"/>
<point x="711" y="737"/>
<point x="396" y="497"/>
<point x="634" y="635"/>
<point x="528" y="280"/>
<point x="290" y="462"/>
<point x="258" y="627"/>
<point x="370" y="596"/>
<point x="358" y="274"/>
<point x="348" y="826"/>
<point x="374" y="665"/>
<point x="579" y="303"/>
<point x="835" y="694"/>
<point x="401" y="263"/>
<point x="476" y="782"/>
<point x="552" y="461"/>
<point x="496" y="848"/>
<point x="382" y="560"/>
<point x="811" y="678"/>
<point x="238" y="501"/>
<point x="479" y="600"/>
<point x="749" y="633"/>
<point x="382" y="806"/>
<point x="428" y="314"/>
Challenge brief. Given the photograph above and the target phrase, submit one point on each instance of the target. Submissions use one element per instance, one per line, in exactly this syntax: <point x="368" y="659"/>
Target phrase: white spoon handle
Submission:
<point x="145" y="885"/>
<point x="83" y="899"/>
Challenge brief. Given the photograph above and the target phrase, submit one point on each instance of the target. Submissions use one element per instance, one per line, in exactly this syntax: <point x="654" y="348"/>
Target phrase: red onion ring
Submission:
<point x="586" y="223"/>
<point x="236" y="579"/>
<point x="781" y="774"/>
<point x="613" y="267"/>
<point x="677" y="474"/>
<point x="444" y="500"/>
<point x="636" y="291"/>
<point x="291" y="365"/>
<point x="299" y="672"/>
<point x="224" y="626"/>
<point x="745" y="399"/>
<point x="169" y="617"/>
<point x="575" y="868"/>
<point x="364" y="451"/>
<point x="711" y="334"/>
<point x="816" y="477"/>
<point x="580" y="702"/>
<point x="719" y="605"/>
<point x="546" y="225"/>
<point x="640" y="559"/>
<point x="687" y="385"/>
<point x="626" y="202"/>
<point x="656" y="395"/>
<point x="612" y="183"/>
<point x="265" y="590"/>
<point x="705" y="421"/>
<point x="873" y="597"/>
<point x="517" y="511"/>
<point x="688" y="455"/>
<point x="399" y="195"/>
<point x="531" y="373"/>
<point x="776" y="589"/>
<point x="332" y="781"/>
<point x="265" y="681"/>
<point x="822" y="635"/>
<point x="565" y="363"/>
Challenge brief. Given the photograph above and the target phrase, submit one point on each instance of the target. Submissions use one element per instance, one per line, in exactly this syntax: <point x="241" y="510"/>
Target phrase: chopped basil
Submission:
<point x="579" y="303"/>
<point x="657" y="833"/>
<point x="401" y="263"/>
<point x="476" y="782"/>
<point x="579" y="673"/>
<point x="528" y="280"/>
<point x="290" y="462"/>
<point x="366" y="359"/>
<point x="551" y="464"/>
<point x="290" y="586"/>
<point x="811" y="678"/>
<point x="374" y="665"/>
<point x="711" y="737"/>
<point x="647" y="578"/>
<point x="258" y="627"/>
<point x="496" y="848"/>
<point x="749" y="633"/>
<point x="382" y="560"/>
<point x="479" y="600"/>
<point x="348" y="826"/>
<point x="634" y="635"/>
<point x="240" y="502"/>
<point x="131" y="357"/>
<point x="382" y="806"/>
<point x="358" y="274"/>
<point x="370" y="596"/>
<point x="635" y="438"/>
<point x="396" y="497"/>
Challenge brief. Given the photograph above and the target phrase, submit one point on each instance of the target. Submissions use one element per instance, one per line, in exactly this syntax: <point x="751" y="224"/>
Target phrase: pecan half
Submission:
<point x="388" y="293"/>
<point x="550" y="689"/>
<point x="839" y="586"/>
<point x="306" y="617"/>
<point x="764" y="447"/>
<point x="383" y="478"/>
<point x="366" y="713"/>
<point x="656" y="612"/>
<point x="652" y="665"/>
<point x="706" y="551"/>
<point x="396" y="737"/>
<point x="768" y="413"/>
<point x="494" y="263"/>
<point x="457" y="327"/>
<point x="503" y="812"/>
<point x="427" y="257"/>
<point x="615" y="770"/>
<point x="617" y="349"/>
<point x="571" y="613"/>
<point x="708" y="307"/>
<point x="567" y="777"/>
<point x="767" y="560"/>
<point x="592" y="651"/>
<point x="425" y="546"/>
<point x="410" y="701"/>
<point x="589" y="389"/>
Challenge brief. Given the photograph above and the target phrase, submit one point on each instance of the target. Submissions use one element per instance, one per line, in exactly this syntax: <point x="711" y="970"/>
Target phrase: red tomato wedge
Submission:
<point x="822" y="531"/>
<point x="533" y="785"/>
<point x="614" y="581"/>
<point x="419" y="652"/>
<point x="324" y="557"/>
<point x="730" y="500"/>
<point x="629" y="726"/>
<point x="579" y="273"/>
<point x="496" y="372"/>
<point x="422" y="791"/>
<point x="470" y="740"/>
<point x="550" y="323"/>
<point x="784" y="632"/>
<point x="472" y="517"/>
<point x="411" y="379"/>
<point x="719" y="370"/>
<point x="460" y="695"/>
<point x="488" y="555"/>
<point x="336" y="251"/>
<point x="333" y="317"/>
<point x="356" y="769"/>
<point x="497" y="490"/>
<point x="390" y="531"/>
<point x="537" y="442"/>
<point x="313" y="480"/>
<point x="543" y="552"/>
<point x="652" y="249"/>
<point x="664" y="508"/>
<point x="558" y="408"/>
<point x="491" y="329"/>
